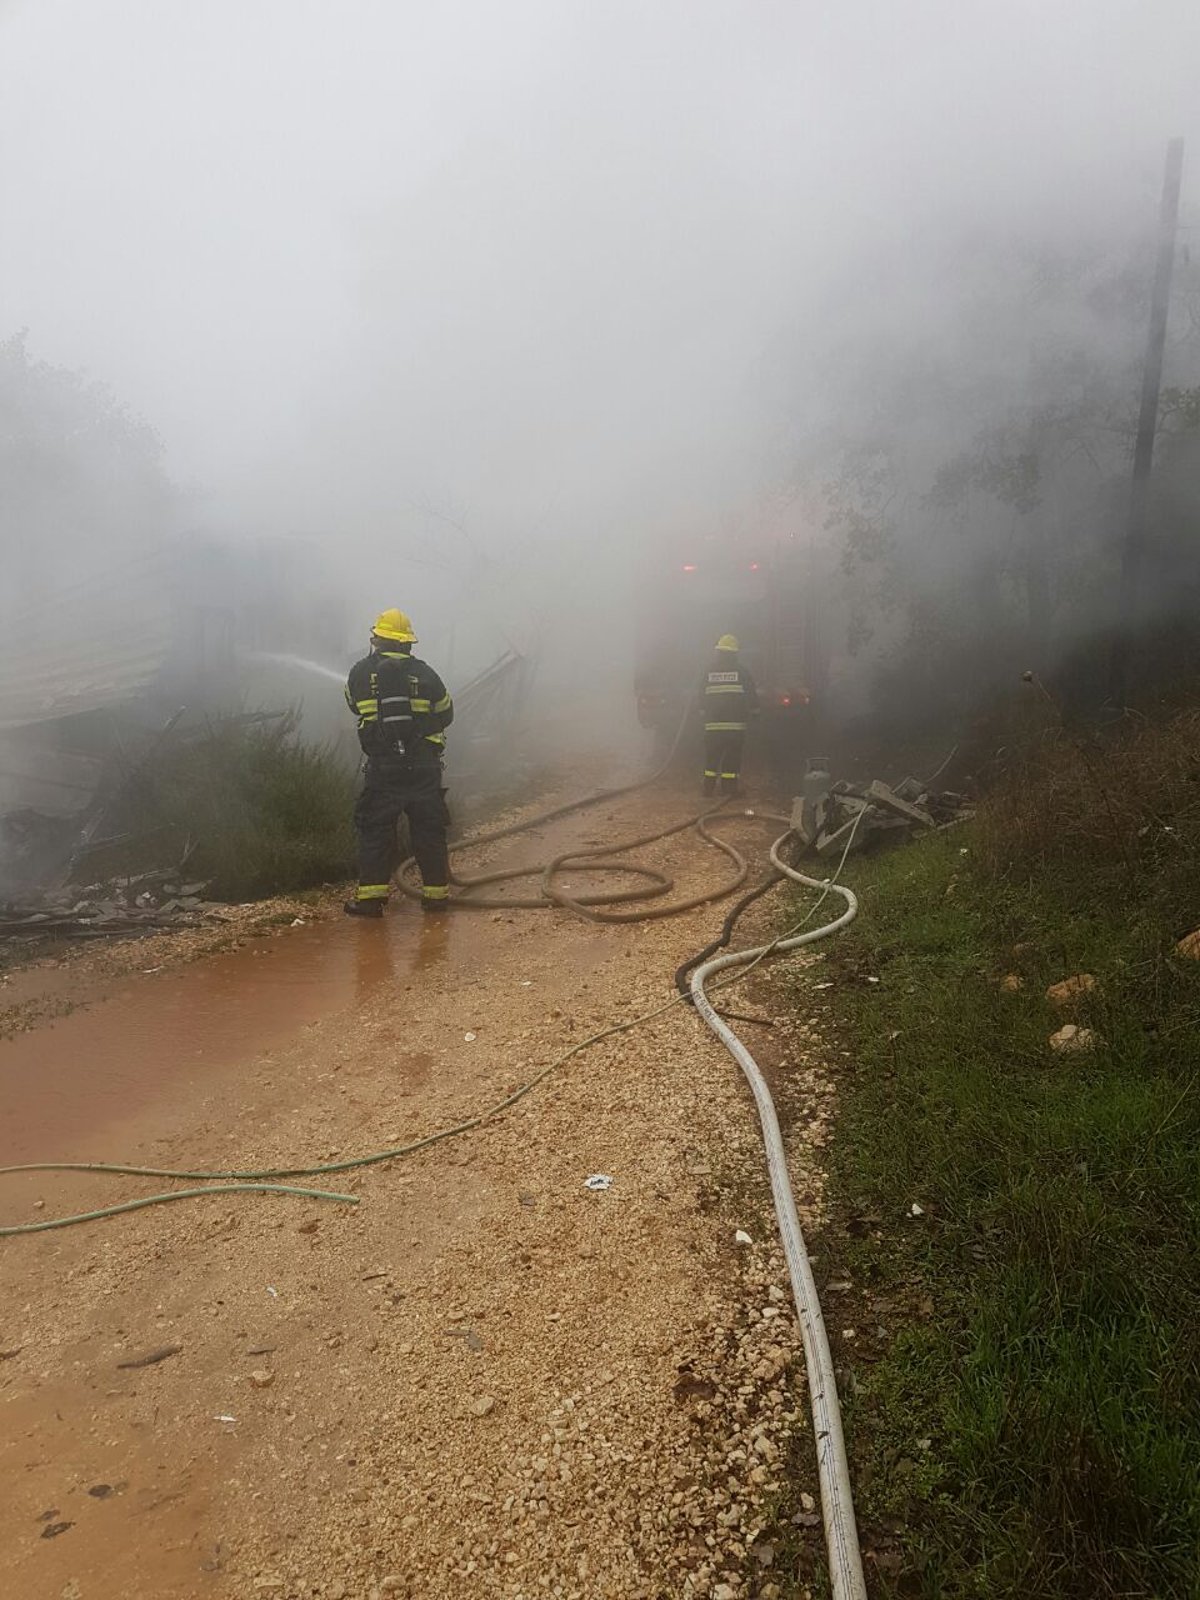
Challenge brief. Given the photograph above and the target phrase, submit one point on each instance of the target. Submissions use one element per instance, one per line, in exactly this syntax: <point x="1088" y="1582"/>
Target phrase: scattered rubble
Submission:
<point x="880" y="795"/>
<point x="139" y="904"/>
<point x="833" y="817"/>
<point x="1012" y="983"/>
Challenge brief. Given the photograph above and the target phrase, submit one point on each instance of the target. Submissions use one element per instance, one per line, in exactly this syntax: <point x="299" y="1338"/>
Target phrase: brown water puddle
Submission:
<point x="143" y="1037"/>
<point x="39" y="983"/>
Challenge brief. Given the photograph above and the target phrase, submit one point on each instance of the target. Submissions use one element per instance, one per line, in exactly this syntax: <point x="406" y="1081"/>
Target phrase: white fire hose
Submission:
<point x="837" y="1504"/>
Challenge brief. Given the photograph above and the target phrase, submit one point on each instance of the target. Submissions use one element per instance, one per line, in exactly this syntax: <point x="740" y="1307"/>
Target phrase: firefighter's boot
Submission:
<point x="364" y="908"/>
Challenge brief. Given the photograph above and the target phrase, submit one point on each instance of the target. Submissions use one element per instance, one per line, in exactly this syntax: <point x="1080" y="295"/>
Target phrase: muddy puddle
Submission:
<point x="143" y="1036"/>
<point x="38" y="983"/>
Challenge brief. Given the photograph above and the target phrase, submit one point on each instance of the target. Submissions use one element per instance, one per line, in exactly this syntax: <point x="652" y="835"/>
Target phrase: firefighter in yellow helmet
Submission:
<point x="403" y="711"/>
<point x="729" y="698"/>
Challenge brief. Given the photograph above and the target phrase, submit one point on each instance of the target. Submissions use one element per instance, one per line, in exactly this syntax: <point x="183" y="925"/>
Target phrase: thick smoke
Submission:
<point x="486" y="303"/>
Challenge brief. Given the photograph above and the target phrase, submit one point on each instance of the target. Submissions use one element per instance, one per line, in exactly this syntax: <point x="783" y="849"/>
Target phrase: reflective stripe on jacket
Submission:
<point x="401" y="704"/>
<point x="729" y="697"/>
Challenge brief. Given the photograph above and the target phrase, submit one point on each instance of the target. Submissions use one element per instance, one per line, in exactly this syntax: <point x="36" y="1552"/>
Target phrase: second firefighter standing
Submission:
<point x="403" y="711"/>
<point x="729" y="699"/>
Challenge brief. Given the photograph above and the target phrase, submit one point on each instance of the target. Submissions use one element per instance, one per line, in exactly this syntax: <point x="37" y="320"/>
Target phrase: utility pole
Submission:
<point x="1143" y="454"/>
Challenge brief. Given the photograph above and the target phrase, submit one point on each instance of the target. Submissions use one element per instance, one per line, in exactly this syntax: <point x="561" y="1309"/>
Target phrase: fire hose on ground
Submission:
<point x="266" y="1181"/>
<point x="845" y="1564"/>
<point x="269" y="1179"/>
<point x="837" y="1504"/>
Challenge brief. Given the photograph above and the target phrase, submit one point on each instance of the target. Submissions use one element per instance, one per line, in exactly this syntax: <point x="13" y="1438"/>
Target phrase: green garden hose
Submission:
<point x="158" y="1199"/>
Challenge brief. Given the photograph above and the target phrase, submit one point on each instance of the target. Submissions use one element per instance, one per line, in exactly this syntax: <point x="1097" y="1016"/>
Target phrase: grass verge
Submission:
<point x="1027" y="1223"/>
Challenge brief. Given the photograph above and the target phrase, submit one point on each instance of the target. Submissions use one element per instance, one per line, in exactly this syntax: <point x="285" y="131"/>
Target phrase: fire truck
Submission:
<point x="770" y="598"/>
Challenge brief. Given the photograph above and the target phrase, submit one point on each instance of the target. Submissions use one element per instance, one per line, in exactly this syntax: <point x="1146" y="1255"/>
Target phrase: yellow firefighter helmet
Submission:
<point x="395" y="625"/>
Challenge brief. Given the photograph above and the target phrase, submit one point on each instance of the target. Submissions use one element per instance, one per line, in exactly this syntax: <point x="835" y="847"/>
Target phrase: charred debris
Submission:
<point x="839" y="818"/>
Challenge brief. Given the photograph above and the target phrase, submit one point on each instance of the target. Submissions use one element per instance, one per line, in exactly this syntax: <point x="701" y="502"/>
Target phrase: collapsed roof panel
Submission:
<point x="97" y="642"/>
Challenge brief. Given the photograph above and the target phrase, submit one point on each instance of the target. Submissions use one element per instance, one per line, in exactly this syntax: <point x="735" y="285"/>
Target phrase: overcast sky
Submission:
<point x="531" y="261"/>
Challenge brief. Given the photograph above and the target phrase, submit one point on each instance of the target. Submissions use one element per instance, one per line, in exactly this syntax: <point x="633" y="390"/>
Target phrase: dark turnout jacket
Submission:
<point x="728" y="695"/>
<point x="402" y="706"/>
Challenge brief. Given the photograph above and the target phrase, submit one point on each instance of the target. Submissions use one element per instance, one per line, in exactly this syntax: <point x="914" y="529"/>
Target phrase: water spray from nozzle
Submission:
<point x="299" y="661"/>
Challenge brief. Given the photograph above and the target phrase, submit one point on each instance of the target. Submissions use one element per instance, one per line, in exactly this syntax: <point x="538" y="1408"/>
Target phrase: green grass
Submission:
<point x="1058" y="1374"/>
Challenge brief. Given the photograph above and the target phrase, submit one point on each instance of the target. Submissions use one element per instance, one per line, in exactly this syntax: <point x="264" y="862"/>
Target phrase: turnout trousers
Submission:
<point x="392" y="790"/>
<point x="723" y="758"/>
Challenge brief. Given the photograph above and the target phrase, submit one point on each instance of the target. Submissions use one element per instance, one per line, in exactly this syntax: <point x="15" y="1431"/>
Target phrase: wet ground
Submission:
<point x="157" y="1037"/>
<point x="349" y="1391"/>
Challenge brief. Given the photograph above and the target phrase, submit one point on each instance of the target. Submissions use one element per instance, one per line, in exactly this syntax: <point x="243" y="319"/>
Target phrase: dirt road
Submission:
<point x="486" y="1378"/>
